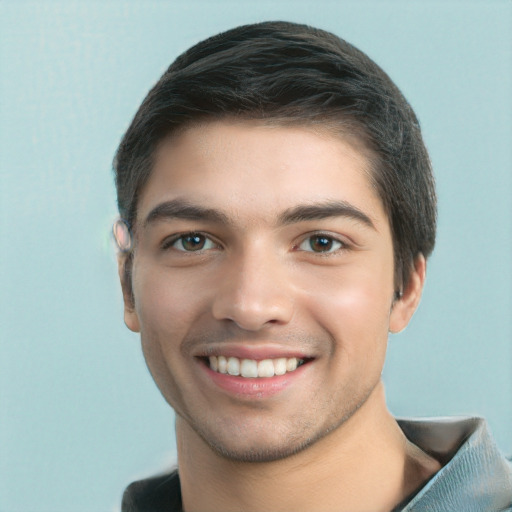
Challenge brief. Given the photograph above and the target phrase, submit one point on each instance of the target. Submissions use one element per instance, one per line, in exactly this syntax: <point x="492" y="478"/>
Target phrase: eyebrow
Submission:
<point x="182" y="209"/>
<point x="337" y="208"/>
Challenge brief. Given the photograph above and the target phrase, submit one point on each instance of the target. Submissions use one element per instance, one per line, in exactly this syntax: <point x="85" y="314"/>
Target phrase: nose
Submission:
<point x="255" y="291"/>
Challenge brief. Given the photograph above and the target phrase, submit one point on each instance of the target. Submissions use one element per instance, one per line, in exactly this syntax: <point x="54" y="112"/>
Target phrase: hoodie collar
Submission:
<point x="474" y="476"/>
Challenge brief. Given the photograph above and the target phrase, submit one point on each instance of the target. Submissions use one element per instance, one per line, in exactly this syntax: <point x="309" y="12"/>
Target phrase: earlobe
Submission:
<point x="131" y="319"/>
<point x="405" y="306"/>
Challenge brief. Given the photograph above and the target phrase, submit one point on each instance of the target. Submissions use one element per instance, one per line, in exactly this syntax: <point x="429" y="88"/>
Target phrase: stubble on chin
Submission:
<point x="270" y="443"/>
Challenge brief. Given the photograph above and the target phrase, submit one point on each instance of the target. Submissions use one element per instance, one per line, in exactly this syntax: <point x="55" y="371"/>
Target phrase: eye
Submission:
<point x="321" y="243"/>
<point x="190" y="242"/>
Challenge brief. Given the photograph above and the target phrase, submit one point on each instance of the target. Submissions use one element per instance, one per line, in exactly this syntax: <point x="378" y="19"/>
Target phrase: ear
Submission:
<point x="405" y="306"/>
<point x="124" y="268"/>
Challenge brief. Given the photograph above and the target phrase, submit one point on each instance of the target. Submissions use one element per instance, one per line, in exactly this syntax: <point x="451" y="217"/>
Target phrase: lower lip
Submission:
<point x="262" y="387"/>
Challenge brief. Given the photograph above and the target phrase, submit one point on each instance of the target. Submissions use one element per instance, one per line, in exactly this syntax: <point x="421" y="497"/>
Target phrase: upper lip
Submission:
<point x="250" y="351"/>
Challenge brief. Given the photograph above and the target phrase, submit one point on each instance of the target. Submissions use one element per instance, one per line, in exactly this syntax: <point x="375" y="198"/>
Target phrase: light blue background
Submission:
<point x="80" y="415"/>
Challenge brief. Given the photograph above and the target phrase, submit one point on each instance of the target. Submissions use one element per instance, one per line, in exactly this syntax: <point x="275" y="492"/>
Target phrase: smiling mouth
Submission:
<point x="250" y="368"/>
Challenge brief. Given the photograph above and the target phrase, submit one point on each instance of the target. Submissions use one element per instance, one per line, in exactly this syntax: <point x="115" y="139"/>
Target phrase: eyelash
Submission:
<point x="168" y="243"/>
<point x="326" y="236"/>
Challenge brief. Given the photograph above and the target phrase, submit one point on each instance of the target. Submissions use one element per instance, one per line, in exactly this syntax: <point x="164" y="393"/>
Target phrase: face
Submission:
<point x="263" y="284"/>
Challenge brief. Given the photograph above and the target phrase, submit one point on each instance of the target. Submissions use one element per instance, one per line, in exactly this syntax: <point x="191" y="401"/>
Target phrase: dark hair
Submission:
<point x="288" y="73"/>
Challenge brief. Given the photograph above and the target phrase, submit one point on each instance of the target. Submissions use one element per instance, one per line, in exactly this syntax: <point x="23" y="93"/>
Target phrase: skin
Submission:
<point x="257" y="284"/>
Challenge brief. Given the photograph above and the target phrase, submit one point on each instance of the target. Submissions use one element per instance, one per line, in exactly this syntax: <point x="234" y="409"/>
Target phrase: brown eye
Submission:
<point x="321" y="244"/>
<point x="192" y="242"/>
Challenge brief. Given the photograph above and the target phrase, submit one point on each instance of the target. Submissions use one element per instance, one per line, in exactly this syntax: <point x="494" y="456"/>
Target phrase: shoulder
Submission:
<point x="156" y="494"/>
<point x="475" y="476"/>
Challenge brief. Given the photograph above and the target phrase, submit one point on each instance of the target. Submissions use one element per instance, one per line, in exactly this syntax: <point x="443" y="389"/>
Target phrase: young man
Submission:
<point x="278" y="207"/>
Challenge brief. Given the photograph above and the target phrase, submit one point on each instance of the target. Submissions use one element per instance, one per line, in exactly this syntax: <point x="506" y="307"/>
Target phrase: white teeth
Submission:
<point x="280" y="366"/>
<point x="266" y="368"/>
<point x="291" y="364"/>
<point x="214" y="363"/>
<point x="234" y="366"/>
<point x="251" y="368"/>
<point x="248" y="368"/>
<point x="222" y="364"/>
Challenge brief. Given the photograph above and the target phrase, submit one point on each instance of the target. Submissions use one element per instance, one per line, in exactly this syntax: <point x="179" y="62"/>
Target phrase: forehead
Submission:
<point x="254" y="170"/>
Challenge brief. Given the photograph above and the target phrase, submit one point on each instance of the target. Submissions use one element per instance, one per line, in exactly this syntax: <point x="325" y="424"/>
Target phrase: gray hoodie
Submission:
<point x="475" y="477"/>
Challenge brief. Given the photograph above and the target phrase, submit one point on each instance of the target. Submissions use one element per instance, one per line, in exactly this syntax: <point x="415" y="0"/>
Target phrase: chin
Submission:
<point x="260" y="452"/>
<point x="266" y="444"/>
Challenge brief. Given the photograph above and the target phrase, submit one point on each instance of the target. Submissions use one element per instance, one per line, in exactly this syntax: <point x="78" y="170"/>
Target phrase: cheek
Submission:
<point x="166" y="311"/>
<point x="355" y="308"/>
<point x="166" y="305"/>
<point x="359" y="317"/>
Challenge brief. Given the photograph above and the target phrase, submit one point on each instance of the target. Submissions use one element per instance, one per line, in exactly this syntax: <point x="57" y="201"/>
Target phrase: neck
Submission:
<point x="368" y="452"/>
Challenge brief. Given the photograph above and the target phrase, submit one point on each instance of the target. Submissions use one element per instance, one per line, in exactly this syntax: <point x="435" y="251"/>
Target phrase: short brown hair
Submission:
<point x="292" y="73"/>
